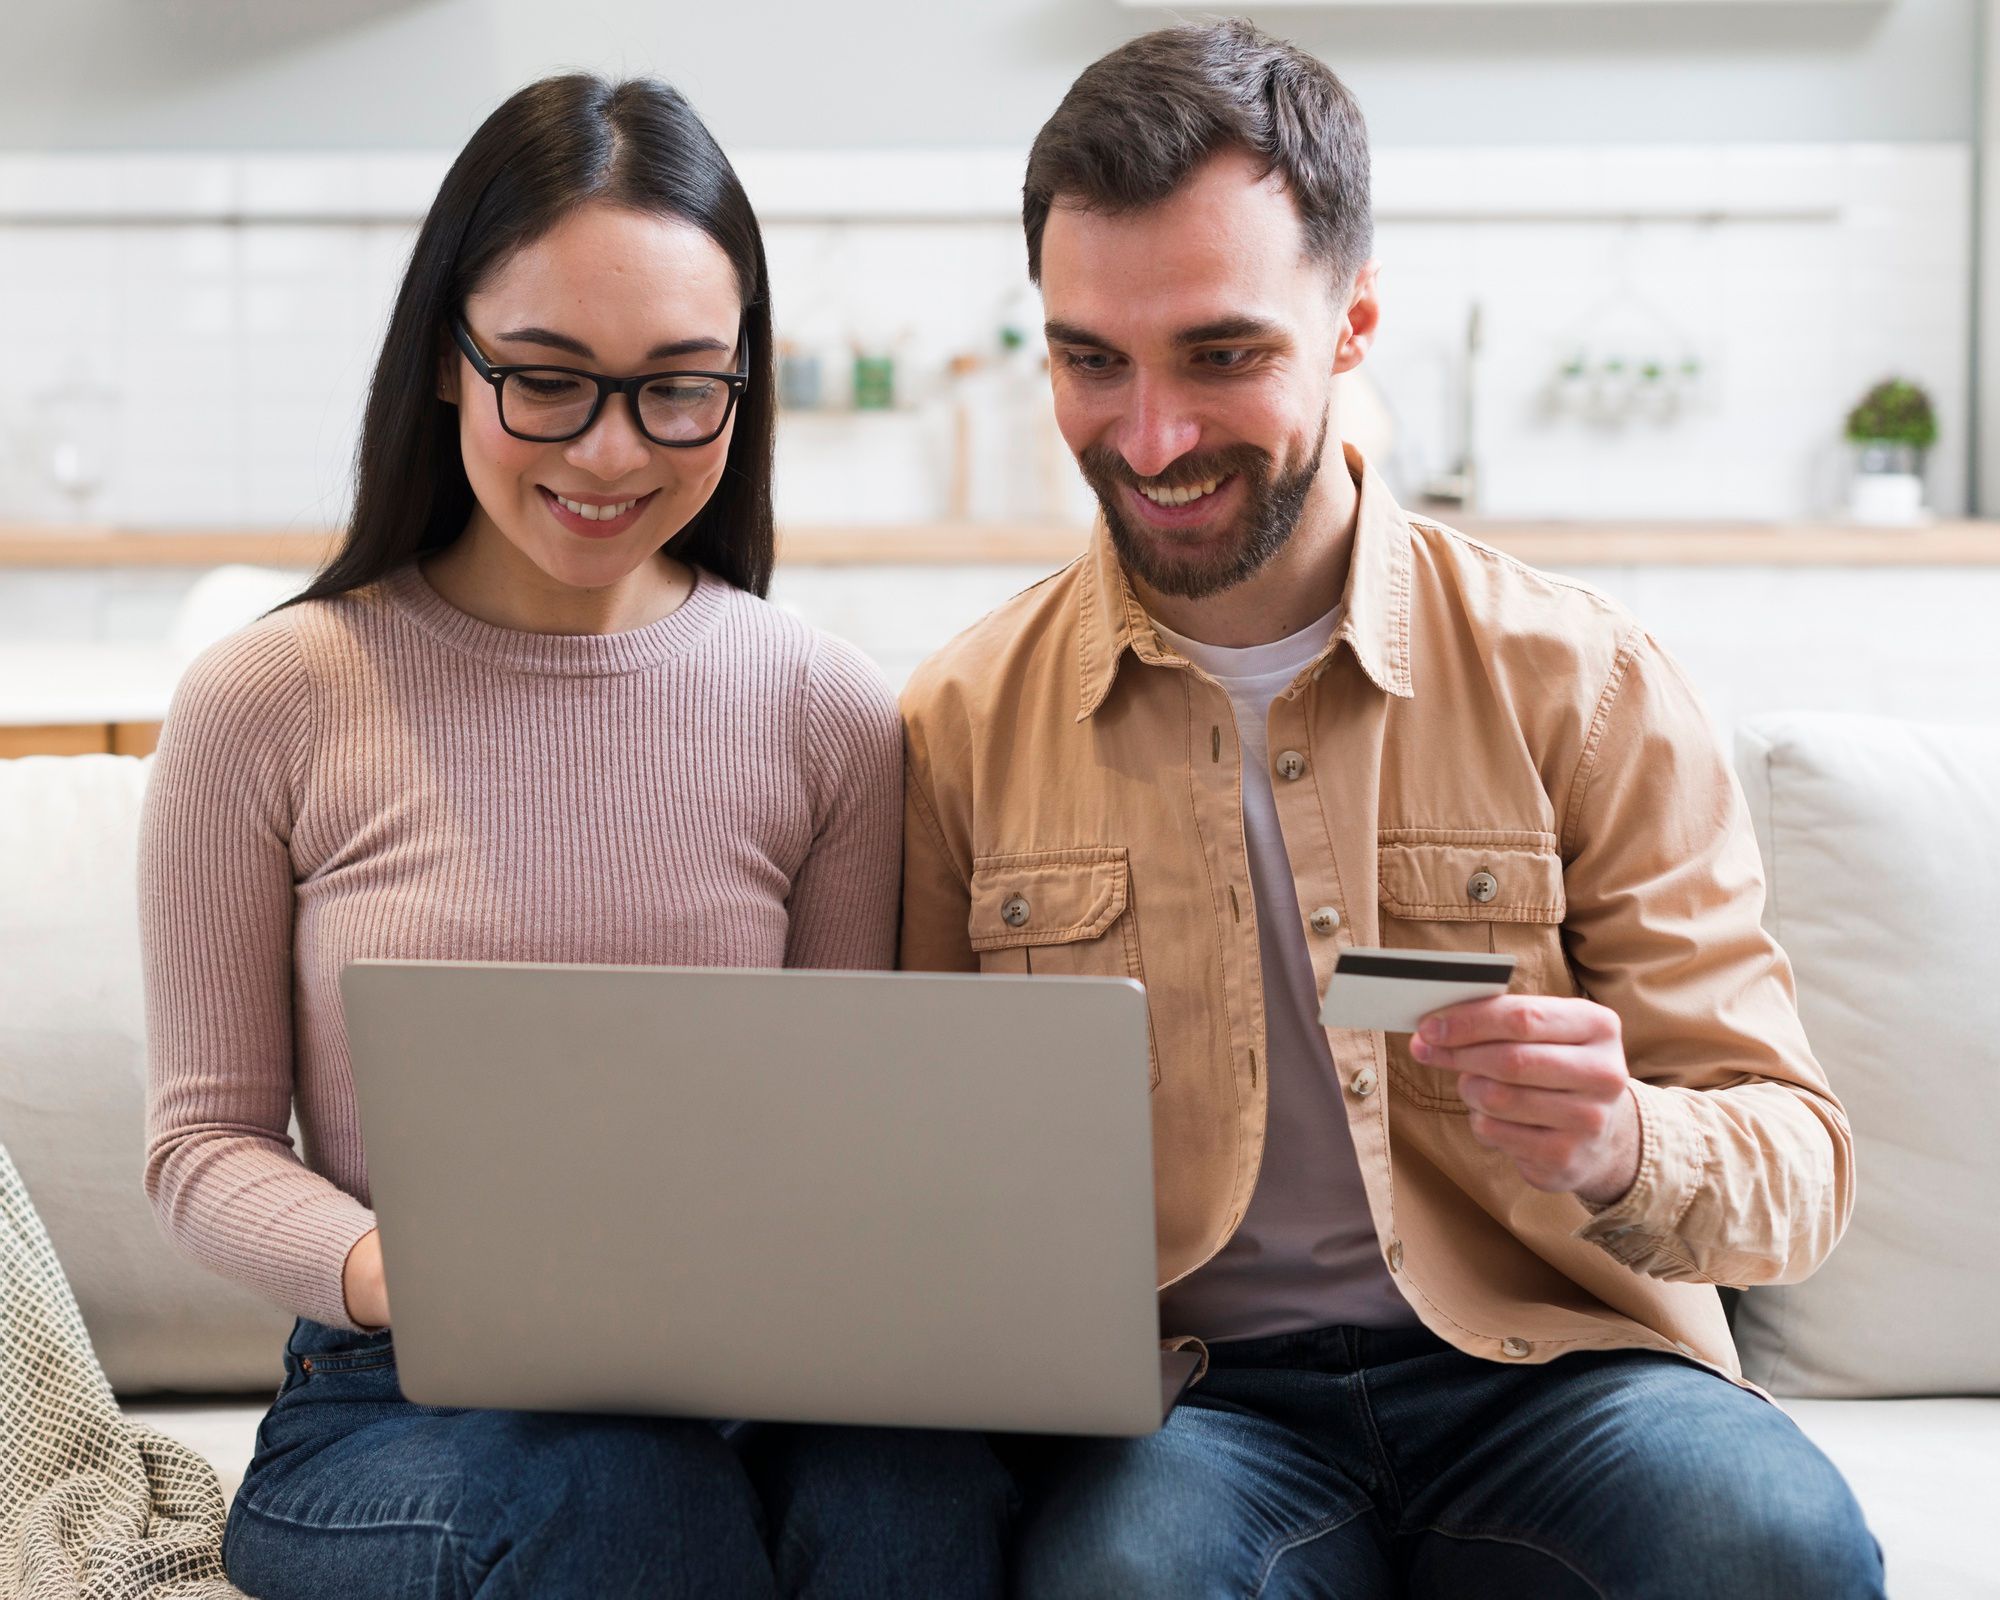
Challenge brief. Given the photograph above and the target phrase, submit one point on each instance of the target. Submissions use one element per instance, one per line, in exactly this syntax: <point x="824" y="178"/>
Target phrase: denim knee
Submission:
<point x="1791" y="1532"/>
<point x="631" y="1473"/>
<point x="1801" y="1541"/>
<point x="1072" y="1554"/>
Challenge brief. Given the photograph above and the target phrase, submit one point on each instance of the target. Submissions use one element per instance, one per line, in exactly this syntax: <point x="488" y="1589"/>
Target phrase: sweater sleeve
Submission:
<point x="216" y="909"/>
<point x="844" y="899"/>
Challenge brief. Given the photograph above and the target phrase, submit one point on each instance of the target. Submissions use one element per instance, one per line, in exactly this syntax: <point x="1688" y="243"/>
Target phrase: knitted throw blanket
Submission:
<point x="91" y="1507"/>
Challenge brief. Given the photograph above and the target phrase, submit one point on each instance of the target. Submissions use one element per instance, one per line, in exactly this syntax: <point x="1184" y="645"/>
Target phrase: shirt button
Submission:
<point x="1395" y="1255"/>
<point x="1325" y="920"/>
<point x="1482" y="886"/>
<point x="1362" y="1083"/>
<point x="1515" y="1347"/>
<point x="1014" y="912"/>
<point x="1291" y="764"/>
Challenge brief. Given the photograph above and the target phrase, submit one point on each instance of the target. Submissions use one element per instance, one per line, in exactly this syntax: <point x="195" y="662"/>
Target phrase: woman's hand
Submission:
<point x="361" y="1283"/>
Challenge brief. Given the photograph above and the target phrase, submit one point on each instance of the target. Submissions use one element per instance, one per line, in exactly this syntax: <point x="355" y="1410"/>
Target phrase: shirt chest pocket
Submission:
<point x="1062" y="913"/>
<point x="1498" y="891"/>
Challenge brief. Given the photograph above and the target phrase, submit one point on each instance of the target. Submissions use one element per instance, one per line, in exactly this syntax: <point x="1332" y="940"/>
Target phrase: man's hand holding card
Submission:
<point x="1543" y="1076"/>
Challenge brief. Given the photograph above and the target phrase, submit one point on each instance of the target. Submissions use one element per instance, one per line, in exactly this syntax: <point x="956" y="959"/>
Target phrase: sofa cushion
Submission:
<point x="73" y="1084"/>
<point x="1881" y="845"/>
<point x="1923" y="1472"/>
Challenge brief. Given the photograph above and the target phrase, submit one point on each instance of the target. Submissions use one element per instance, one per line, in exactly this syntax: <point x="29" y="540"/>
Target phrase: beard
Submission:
<point x="1272" y="504"/>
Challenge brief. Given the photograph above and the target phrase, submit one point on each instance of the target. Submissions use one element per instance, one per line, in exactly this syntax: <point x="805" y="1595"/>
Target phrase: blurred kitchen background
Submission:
<point x="1642" y="260"/>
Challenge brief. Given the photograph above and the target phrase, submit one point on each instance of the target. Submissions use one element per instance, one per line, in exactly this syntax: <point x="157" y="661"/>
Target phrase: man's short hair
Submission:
<point x="1141" y="119"/>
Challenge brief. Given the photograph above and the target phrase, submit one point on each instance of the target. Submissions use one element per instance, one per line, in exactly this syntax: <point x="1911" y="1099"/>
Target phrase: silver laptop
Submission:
<point x="904" y="1199"/>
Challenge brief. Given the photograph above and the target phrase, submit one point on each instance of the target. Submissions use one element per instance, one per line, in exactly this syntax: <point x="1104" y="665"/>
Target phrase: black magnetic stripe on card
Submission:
<point x="1463" y="969"/>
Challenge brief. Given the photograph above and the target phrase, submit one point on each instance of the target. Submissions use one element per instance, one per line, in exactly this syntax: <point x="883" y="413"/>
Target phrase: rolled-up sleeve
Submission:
<point x="1746" y="1170"/>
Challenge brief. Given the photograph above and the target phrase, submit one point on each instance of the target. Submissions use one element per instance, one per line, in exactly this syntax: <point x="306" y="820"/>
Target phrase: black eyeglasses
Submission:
<point x="546" y="405"/>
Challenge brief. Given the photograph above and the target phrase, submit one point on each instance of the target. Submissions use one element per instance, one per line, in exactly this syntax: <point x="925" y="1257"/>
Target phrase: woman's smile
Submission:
<point x="595" y="516"/>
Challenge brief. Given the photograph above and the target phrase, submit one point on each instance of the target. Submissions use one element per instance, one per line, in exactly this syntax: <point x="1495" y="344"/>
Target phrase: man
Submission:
<point x="1457" y="1292"/>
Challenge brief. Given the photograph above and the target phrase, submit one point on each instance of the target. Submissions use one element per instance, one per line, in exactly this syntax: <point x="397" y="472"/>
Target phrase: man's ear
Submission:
<point x="1359" y="320"/>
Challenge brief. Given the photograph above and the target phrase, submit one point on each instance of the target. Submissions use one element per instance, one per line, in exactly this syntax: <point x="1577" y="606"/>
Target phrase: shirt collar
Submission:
<point x="1375" y="606"/>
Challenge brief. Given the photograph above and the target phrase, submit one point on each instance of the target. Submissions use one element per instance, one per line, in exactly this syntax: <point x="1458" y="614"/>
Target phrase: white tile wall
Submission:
<point x="237" y="302"/>
<point x="1796" y="278"/>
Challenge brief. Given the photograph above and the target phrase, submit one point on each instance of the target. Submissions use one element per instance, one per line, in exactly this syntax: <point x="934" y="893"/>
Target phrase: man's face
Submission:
<point x="1193" y="347"/>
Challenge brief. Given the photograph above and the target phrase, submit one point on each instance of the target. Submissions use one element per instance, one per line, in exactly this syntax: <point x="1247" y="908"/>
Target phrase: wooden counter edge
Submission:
<point x="1556" y="545"/>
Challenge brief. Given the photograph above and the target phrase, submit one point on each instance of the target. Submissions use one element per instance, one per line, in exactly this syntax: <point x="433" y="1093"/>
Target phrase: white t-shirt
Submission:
<point x="1305" y="1254"/>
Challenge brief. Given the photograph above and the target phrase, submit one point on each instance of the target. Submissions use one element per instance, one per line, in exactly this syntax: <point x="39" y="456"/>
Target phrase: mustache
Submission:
<point x="1103" y="465"/>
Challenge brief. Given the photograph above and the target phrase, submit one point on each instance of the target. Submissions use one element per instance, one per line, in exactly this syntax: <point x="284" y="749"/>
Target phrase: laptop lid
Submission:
<point x="906" y="1199"/>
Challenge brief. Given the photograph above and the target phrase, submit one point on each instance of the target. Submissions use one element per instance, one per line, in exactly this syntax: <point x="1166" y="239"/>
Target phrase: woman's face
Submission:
<point x="613" y="291"/>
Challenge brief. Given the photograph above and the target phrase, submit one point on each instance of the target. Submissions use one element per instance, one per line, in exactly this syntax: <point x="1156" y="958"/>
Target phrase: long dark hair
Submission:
<point x="551" y="148"/>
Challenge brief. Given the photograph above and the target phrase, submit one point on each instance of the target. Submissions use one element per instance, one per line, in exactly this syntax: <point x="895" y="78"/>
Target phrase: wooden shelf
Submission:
<point x="27" y="545"/>
<point x="1749" y="544"/>
<point x="1549" y="544"/>
<point x="80" y="739"/>
<point x="920" y="544"/>
<point x="942" y="544"/>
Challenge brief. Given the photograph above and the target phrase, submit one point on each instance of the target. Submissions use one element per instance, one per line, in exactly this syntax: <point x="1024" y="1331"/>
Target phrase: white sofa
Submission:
<point x="1880" y="846"/>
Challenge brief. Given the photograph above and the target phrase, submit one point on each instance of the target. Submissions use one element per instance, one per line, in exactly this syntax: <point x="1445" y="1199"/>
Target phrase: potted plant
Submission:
<point x="1890" y="429"/>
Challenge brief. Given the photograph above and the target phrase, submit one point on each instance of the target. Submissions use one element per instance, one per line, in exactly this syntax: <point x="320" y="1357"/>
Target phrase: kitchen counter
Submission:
<point x="59" y="697"/>
<point x="1556" y="545"/>
<point x="1892" y="623"/>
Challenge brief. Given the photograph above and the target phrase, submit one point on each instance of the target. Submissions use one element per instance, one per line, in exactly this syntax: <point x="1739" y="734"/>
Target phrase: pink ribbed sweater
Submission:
<point x="384" y="775"/>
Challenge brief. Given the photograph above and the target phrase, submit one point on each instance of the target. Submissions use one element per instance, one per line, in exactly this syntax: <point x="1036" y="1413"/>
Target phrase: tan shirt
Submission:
<point x="1305" y="1254"/>
<point x="1471" y="719"/>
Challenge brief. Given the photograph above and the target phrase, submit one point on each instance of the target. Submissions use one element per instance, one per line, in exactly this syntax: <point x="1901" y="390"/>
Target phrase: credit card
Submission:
<point x="1394" y="990"/>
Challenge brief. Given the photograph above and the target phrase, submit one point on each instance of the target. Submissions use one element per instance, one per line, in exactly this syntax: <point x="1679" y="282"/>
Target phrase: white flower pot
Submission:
<point x="1887" y="486"/>
<point x="1886" y="497"/>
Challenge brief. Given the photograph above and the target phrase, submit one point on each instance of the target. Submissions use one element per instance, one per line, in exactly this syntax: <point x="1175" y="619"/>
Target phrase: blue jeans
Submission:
<point x="356" y="1492"/>
<point x="1354" y="1463"/>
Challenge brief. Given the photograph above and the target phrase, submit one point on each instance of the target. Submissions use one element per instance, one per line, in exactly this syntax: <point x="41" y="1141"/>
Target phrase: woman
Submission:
<point x="535" y="709"/>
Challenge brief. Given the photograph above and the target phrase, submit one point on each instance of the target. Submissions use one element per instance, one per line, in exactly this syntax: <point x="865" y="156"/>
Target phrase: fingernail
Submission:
<point x="1432" y="1028"/>
<point x="1420" y="1048"/>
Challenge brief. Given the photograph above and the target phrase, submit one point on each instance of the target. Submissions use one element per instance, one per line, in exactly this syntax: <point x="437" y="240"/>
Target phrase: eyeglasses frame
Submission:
<point x="738" y="381"/>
